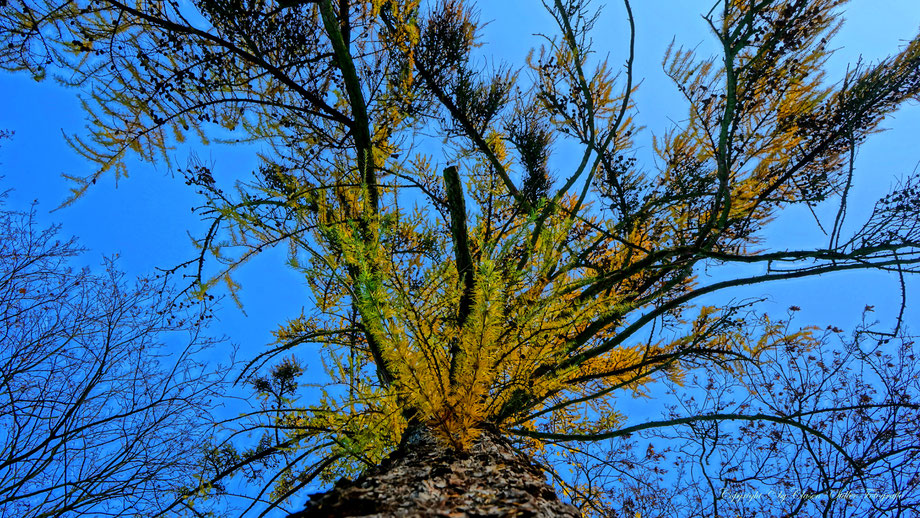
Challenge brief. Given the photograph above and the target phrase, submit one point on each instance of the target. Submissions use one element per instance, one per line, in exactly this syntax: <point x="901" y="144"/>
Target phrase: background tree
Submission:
<point x="491" y="292"/>
<point x="105" y="400"/>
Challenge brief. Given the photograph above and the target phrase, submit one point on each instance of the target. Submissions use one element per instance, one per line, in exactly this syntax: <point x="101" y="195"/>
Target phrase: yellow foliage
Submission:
<point x="572" y="260"/>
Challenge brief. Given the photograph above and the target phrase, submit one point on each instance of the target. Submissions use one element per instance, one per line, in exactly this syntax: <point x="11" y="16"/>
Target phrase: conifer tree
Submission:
<point x="498" y="292"/>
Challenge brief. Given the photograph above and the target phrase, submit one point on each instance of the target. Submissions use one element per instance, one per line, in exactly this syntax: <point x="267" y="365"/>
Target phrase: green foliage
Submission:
<point x="496" y="294"/>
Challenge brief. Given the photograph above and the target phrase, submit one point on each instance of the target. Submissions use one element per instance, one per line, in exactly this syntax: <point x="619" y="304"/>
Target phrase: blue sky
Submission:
<point x="871" y="32"/>
<point x="146" y="218"/>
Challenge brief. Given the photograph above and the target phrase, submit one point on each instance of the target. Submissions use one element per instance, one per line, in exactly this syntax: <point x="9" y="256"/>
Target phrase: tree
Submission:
<point x="98" y="416"/>
<point x="498" y="296"/>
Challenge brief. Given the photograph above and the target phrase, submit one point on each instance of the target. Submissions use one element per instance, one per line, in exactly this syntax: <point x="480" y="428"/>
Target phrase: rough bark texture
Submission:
<point x="425" y="479"/>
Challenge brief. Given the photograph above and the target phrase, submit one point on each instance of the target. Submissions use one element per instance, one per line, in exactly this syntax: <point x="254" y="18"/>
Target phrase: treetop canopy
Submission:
<point x="459" y="280"/>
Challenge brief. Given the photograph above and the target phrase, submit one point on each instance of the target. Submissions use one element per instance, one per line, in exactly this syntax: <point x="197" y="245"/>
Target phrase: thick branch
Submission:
<point x="361" y="126"/>
<point x="563" y="437"/>
<point x="464" y="260"/>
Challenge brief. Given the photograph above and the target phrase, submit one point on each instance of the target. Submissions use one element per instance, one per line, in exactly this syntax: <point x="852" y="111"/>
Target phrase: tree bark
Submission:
<point x="423" y="478"/>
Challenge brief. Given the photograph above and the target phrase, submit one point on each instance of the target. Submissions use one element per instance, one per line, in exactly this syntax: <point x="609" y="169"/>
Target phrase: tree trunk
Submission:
<point x="422" y="478"/>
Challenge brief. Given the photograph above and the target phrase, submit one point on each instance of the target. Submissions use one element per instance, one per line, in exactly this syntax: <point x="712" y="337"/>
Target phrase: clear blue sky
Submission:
<point x="146" y="219"/>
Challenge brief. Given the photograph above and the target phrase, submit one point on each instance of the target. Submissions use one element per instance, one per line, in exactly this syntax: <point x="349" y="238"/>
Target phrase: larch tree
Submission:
<point x="478" y="304"/>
